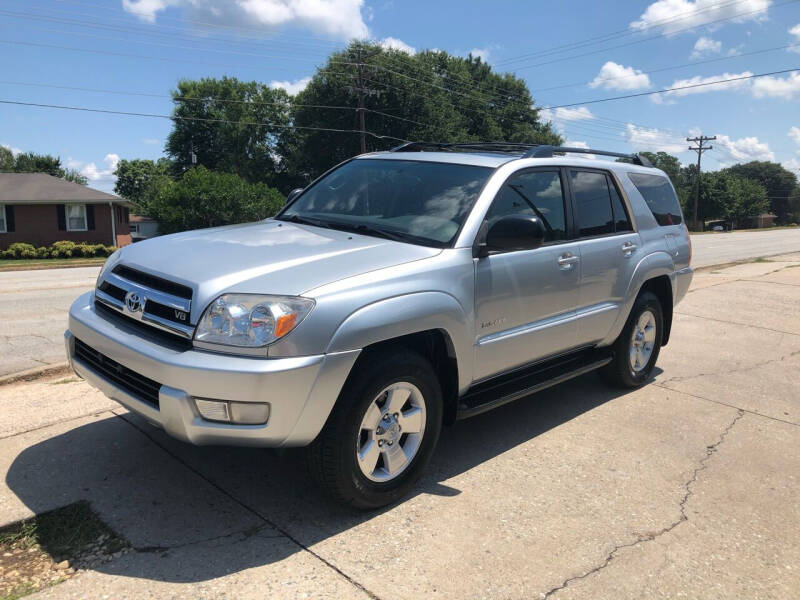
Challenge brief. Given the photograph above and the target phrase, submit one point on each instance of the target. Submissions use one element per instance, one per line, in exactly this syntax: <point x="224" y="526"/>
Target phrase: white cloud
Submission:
<point x="390" y="43"/>
<point x="697" y="80"/>
<point x="705" y="46"/>
<point x="337" y="18"/>
<point x="560" y="116"/>
<point x="671" y="16"/>
<point x="14" y="149"/>
<point x="792" y="165"/>
<point x="614" y="76"/>
<point x="91" y="171"/>
<point x="151" y="141"/>
<point x="787" y="87"/>
<point x="745" y="149"/>
<point x="795" y="31"/>
<point x="654" y="140"/>
<point x="794" y="133"/>
<point x="482" y="53"/>
<point x="292" y="87"/>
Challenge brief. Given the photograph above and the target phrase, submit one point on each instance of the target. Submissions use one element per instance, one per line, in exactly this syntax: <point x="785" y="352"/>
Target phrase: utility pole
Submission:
<point x="700" y="148"/>
<point x="360" y="89"/>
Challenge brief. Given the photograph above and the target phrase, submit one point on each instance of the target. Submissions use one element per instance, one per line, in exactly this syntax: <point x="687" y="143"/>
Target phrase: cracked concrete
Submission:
<point x="649" y="537"/>
<point x="686" y="487"/>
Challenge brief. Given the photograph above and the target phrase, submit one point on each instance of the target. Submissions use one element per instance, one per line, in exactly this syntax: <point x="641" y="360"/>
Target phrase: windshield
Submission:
<point x="413" y="201"/>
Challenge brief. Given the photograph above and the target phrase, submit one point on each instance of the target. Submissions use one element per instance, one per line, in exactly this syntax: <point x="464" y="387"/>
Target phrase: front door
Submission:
<point x="525" y="300"/>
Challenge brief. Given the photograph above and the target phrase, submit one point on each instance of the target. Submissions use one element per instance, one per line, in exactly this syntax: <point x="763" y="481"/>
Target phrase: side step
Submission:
<point x="526" y="380"/>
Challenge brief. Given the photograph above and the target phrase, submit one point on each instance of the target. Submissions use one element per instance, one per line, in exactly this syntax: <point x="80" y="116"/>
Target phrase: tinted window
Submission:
<point x="422" y="202"/>
<point x="593" y="203"/>
<point x="621" y="220"/>
<point x="536" y="193"/>
<point x="659" y="196"/>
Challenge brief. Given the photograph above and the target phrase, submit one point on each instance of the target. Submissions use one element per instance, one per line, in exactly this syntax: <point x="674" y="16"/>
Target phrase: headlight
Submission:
<point x="250" y="320"/>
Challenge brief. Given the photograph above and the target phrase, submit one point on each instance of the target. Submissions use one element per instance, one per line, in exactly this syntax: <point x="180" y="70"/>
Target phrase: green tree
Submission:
<point x="139" y="180"/>
<point x="778" y="182"/>
<point x="229" y="125"/>
<point x="204" y="198"/>
<point x="748" y="198"/>
<point x="75" y="176"/>
<point x="30" y="162"/>
<point x="430" y="96"/>
<point x="667" y="163"/>
<point x="6" y="159"/>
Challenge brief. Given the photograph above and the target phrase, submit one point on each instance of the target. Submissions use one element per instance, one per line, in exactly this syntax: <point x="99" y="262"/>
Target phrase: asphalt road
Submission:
<point x="33" y="304"/>
<point x="685" y="488"/>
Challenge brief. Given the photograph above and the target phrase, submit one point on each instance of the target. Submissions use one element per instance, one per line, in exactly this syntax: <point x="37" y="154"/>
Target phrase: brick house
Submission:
<point x="41" y="209"/>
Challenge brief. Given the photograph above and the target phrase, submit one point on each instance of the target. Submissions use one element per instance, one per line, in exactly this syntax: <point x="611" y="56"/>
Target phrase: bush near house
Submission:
<point x="62" y="249"/>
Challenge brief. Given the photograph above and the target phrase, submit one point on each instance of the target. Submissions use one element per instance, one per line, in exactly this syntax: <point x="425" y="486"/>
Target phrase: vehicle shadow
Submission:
<point x="197" y="513"/>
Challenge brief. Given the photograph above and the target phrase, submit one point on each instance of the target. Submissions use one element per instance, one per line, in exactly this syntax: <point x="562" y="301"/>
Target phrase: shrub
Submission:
<point x="63" y="249"/>
<point x="42" y="252"/>
<point x="21" y="250"/>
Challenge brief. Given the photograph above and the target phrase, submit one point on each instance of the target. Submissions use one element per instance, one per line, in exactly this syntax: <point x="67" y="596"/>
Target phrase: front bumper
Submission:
<point x="301" y="390"/>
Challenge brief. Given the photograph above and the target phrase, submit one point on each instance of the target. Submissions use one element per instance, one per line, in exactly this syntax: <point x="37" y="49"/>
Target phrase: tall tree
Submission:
<point x="75" y="176"/>
<point x="204" y="198"/>
<point x="778" y="181"/>
<point x="430" y="96"/>
<point x="6" y="159"/>
<point x="30" y="162"/>
<point x="227" y="125"/>
<point x="139" y="180"/>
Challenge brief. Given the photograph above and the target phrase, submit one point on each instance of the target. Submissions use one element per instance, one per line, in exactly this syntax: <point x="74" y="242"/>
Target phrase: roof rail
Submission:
<point x="527" y="150"/>
<point x="486" y="146"/>
<point x="545" y="151"/>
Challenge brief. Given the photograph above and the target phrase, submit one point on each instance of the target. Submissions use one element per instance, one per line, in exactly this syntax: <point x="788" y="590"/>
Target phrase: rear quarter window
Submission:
<point x="659" y="196"/>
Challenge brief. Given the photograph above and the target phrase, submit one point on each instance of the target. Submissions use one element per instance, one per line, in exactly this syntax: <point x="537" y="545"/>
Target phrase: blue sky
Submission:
<point x="615" y="48"/>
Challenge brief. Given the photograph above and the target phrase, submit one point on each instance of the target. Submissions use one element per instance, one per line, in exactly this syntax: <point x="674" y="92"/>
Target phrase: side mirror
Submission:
<point x="294" y="194"/>
<point x="514" y="232"/>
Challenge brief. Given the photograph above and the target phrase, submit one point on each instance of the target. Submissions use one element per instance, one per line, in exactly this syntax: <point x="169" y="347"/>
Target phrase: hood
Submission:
<point x="268" y="257"/>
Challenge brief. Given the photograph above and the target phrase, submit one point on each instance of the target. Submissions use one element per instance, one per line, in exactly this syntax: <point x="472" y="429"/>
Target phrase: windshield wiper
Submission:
<point x="305" y="221"/>
<point x="370" y="229"/>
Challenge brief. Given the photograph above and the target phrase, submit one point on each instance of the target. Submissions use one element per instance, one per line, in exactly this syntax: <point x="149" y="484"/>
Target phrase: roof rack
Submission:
<point x="527" y="150"/>
<point x="547" y="151"/>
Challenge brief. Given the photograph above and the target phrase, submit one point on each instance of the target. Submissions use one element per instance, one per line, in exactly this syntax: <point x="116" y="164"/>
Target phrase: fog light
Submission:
<point x="240" y="413"/>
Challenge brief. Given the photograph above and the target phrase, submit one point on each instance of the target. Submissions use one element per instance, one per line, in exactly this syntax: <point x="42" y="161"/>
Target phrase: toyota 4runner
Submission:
<point x="400" y="291"/>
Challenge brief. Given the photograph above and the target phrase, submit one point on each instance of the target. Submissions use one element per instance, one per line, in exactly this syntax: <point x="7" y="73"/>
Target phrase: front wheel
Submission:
<point x="381" y="432"/>
<point x="637" y="347"/>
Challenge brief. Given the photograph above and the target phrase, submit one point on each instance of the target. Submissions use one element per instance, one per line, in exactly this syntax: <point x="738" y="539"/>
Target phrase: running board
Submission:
<point x="524" y="381"/>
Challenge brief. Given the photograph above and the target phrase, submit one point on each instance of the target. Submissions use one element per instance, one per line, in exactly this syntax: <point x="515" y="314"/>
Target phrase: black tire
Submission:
<point x="332" y="455"/>
<point x="619" y="371"/>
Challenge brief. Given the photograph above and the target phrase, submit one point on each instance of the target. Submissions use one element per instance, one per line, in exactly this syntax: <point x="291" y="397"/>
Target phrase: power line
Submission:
<point x="674" y="89"/>
<point x="699" y="140"/>
<point x="202" y="119"/>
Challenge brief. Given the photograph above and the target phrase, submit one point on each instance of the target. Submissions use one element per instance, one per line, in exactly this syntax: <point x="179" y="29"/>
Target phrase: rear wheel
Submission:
<point x="638" y="345"/>
<point x="381" y="432"/>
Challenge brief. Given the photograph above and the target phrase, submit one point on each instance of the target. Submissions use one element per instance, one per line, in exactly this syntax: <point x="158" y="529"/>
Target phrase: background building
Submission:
<point x="41" y="209"/>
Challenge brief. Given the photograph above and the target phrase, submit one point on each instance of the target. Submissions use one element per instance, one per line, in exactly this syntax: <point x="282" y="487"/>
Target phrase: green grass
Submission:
<point x="18" y="264"/>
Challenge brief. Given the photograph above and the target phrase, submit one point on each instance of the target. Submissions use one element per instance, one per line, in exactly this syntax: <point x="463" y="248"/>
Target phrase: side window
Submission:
<point x="536" y="193"/>
<point x="593" y="203"/>
<point x="659" y="196"/>
<point x="621" y="220"/>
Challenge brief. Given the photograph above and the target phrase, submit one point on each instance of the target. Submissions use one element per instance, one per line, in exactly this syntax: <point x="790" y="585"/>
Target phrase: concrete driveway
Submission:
<point x="687" y="487"/>
<point x="34" y="304"/>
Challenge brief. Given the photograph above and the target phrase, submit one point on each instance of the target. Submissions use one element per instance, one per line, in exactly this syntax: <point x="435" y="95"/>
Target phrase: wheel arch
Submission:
<point x="661" y="286"/>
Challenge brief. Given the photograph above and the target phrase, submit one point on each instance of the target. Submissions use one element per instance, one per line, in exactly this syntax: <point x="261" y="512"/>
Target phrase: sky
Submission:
<point x="129" y="54"/>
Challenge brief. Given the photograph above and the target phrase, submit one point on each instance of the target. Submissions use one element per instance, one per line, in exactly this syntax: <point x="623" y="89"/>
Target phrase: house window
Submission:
<point x="3" y="225"/>
<point x="76" y="217"/>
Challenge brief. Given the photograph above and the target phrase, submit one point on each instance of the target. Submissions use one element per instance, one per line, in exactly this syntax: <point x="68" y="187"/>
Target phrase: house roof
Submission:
<point x="41" y="188"/>
<point x="141" y="219"/>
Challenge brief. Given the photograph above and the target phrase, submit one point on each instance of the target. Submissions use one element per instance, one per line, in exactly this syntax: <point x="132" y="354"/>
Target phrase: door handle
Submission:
<point x="567" y="261"/>
<point x="628" y="248"/>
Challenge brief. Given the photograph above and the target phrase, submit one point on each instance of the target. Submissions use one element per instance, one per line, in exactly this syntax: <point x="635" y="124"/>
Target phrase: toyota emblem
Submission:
<point x="134" y="302"/>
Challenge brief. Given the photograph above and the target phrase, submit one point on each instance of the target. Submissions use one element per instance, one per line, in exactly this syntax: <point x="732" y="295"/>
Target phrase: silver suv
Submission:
<point x="400" y="291"/>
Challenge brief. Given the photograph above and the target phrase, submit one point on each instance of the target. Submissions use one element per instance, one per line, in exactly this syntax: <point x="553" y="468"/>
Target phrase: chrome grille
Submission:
<point x="151" y="300"/>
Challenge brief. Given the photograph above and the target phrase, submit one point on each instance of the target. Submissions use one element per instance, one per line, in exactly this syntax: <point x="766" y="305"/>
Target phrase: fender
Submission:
<point x="653" y="265"/>
<point x="406" y="314"/>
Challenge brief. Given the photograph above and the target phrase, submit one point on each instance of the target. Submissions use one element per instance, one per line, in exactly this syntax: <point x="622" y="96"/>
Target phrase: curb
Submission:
<point x="36" y="373"/>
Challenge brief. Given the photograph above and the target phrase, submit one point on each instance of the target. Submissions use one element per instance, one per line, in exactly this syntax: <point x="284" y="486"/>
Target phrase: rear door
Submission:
<point x="609" y="249"/>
